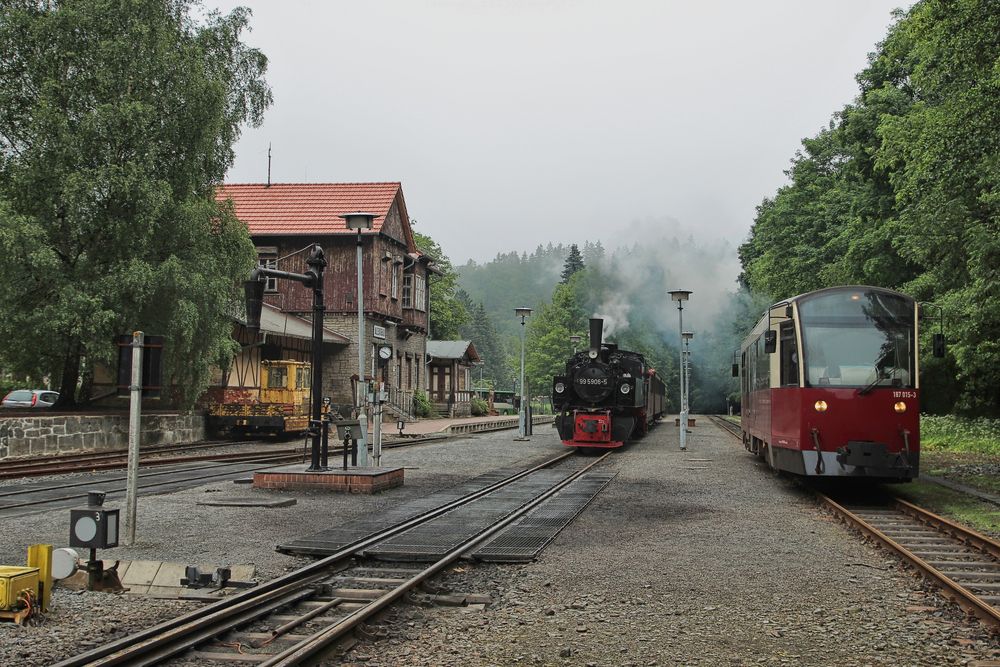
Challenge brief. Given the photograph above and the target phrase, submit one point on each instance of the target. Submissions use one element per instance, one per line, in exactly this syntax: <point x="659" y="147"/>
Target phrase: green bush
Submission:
<point x="956" y="434"/>
<point x="421" y="404"/>
<point x="480" y="408"/>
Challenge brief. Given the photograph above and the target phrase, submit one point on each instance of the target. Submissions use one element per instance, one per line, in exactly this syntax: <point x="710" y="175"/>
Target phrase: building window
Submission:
<point x="395" y="281"/>
<point x="408" y="290"/>
<point x="267" y="257"/>
<point x="419" y="296"/>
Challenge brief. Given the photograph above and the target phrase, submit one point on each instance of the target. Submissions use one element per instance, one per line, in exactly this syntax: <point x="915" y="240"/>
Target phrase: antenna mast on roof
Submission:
<point x="269" y="164"/>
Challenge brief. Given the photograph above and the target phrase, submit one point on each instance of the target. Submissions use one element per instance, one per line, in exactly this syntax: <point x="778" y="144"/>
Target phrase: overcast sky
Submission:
<point x="517" y="122"/>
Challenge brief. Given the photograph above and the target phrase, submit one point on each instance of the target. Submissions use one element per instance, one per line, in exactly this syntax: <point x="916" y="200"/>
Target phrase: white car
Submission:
<point x="30" y="398"/>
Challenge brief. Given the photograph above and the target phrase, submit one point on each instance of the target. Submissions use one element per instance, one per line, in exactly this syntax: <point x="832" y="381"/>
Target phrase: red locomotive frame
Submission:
<point x="830" y="385"/>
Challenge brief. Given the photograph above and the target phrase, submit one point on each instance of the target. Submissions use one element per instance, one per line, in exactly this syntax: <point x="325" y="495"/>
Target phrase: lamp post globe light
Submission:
<point x="680" y="296"/>
<point x="576" y="341"/>
<point x="522" y="426"/>
<point x="360" y="221"/>
<point x="687" y="336"/>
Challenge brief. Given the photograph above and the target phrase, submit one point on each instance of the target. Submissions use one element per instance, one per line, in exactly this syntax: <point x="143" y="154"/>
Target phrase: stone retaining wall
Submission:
<point x="64" y="434"/>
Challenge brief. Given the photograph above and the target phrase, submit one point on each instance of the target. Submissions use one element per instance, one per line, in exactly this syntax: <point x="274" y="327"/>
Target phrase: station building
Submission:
<point x="284" y="221"/>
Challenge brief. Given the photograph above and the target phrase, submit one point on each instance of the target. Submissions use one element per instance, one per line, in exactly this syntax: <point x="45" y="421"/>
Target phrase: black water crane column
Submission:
<point x="313" y="278"/>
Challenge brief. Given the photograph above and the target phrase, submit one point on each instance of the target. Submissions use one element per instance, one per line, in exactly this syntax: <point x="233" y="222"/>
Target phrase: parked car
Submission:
<point x="30" y="398"/>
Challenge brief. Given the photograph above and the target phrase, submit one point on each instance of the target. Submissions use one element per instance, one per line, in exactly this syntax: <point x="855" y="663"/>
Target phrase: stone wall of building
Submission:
<point x="62" y="434"/>
<point x="408" y="363"/>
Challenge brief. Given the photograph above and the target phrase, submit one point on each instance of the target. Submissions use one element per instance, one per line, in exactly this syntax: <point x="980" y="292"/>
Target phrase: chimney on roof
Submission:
<point x="268" y="164"/>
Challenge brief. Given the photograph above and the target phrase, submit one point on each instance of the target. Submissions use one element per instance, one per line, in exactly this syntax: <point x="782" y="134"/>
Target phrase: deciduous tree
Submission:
<point x="117" y="120"/>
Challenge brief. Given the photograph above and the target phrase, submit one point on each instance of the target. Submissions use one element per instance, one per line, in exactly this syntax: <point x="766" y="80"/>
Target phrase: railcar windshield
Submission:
<point x="858" y="338"/>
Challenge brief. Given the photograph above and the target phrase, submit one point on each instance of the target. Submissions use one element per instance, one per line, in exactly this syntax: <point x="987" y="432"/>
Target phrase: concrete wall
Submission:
<point x="62" y="434"/>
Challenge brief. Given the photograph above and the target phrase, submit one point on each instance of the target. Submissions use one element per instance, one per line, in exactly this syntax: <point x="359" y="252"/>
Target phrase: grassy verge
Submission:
<point x="954" y="434"/>
<point x="966" y="451"/>
<point x="959" y="507"/>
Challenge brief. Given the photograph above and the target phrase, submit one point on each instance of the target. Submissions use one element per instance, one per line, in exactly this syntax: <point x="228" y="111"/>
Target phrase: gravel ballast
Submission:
<point x="677" y="562"/>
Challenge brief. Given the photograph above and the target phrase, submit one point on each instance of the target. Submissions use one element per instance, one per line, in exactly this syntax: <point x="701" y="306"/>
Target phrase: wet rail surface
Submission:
<point x="301" y="615"/>
<point x="962" y="562"/>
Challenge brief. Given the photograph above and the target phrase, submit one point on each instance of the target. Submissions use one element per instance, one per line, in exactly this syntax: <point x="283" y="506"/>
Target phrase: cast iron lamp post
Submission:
<point x="313" y="278"/>
<point x="359" y="221"/>
<point x="522" y="430"/>
<point x="687" y="336"/>
<point x="680" y="296"/>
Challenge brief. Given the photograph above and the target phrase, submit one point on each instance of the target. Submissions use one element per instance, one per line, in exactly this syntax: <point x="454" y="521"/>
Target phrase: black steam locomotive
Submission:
<point x="607" y="396"/>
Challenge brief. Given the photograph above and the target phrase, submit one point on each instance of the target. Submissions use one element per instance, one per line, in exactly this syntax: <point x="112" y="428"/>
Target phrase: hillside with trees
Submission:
<point x="902" y="190"/>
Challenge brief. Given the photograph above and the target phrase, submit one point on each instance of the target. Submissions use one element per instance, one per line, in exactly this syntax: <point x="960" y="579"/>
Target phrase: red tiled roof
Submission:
<point x="307" y="208"/>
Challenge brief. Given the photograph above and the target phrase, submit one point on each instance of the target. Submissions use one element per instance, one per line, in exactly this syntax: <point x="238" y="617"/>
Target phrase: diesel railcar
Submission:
<point x="830" y="385"/>
<point x="607" y="396"/>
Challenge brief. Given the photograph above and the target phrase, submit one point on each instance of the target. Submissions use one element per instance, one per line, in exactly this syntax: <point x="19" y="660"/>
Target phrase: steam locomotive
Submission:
<point x="607" y="396"/>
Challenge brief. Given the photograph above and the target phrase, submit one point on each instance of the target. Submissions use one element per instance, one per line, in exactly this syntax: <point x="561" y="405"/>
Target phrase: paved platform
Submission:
<point x="424" y="427"/>
<point x="159" y="579"/>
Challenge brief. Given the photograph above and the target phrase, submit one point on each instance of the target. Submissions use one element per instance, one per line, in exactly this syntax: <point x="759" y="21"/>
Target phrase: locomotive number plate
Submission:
<point x="603" y="381"/>
<point x="904" y="394"/>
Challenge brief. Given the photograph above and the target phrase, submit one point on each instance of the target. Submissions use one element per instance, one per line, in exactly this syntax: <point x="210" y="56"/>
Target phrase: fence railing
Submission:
<point x="402" y="401"/>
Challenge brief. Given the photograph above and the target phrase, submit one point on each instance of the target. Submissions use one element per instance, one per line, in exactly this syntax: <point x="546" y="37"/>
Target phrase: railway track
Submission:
<point x="70" y="463"/>
<point x="299" y="616"/>
<point x="963" y="563"/>
<point x="19" y="500"/>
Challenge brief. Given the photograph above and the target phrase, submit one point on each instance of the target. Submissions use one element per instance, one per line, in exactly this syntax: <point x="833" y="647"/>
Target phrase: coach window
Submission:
<point x="763" y="376"/>
<point x="789" y="355"/>
<point x="743" y="371"/>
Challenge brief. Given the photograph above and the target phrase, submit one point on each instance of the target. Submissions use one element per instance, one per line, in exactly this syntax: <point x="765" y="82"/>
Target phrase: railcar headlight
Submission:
<point x="820" y="406"/>
<point x="560" y="387"/>
<point x="626" y="388"/>
<point x="900" y="407"/>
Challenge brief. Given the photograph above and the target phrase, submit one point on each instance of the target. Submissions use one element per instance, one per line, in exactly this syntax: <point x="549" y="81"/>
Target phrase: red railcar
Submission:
<point x="830" y="385"/>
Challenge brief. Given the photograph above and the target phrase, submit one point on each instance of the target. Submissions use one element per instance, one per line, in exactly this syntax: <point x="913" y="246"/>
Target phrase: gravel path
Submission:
<point x="676" y="562"/>
<point x="172" y="527"/>
<point x="688" y="562"/>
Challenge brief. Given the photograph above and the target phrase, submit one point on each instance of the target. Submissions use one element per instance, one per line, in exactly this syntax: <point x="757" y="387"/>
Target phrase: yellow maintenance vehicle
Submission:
<point x="25" y="591"/>
<point x="279" y="406"/>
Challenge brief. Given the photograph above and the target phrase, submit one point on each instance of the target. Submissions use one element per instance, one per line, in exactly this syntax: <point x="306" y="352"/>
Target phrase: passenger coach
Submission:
<point x="830" y="384"/>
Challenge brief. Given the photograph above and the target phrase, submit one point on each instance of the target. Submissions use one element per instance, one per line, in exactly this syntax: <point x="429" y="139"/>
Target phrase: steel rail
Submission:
<point x="274" y="461"/>
<point x="318" y="641"/>
<point x="960" y="594"/>
<point x="964" y="597"/>
<point x="84" y="465"/>
<point x="39" y="461"/>
<point x="168" y="637"/>
<point x="248" y="457"/>
<point x="969" y="536"/>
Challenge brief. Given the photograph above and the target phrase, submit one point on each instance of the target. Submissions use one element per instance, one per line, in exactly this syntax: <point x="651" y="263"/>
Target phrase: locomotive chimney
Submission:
<point x="596" y="333"/>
